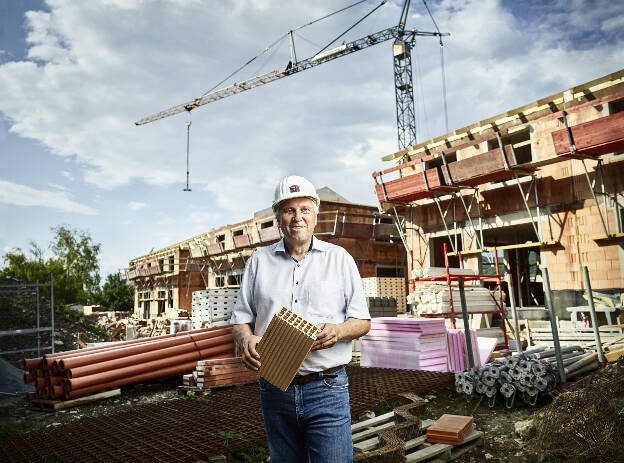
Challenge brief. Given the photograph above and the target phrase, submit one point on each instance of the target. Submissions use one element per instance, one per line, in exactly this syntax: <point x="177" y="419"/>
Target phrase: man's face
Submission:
<point x="297" y="219"/>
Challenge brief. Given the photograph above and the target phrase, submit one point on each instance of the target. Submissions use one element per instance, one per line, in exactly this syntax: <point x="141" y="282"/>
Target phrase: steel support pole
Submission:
<point x="553" y="323"/>
<point x="592" y="311"/>
<point x="462" y="298"/>
<point x="514" y="313"/>
<point x="38" y="324"/>
<point x="52" y="309"/>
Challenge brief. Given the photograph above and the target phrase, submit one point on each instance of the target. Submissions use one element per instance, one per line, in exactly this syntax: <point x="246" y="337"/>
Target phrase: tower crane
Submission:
<point x="403" y="82"/>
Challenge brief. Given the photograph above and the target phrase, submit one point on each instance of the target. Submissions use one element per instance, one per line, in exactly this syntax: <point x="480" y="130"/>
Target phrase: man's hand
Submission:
<point x="251" y="358"/>
<point x="329" y="335"/>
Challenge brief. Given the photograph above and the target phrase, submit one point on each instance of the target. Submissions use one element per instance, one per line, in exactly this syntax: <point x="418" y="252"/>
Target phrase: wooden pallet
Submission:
<point x="54" y="405"/>
<point x="365" y="439"/>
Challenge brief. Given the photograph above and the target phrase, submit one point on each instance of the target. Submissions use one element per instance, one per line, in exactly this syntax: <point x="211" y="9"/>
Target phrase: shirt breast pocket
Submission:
<point x="326" y="302"/>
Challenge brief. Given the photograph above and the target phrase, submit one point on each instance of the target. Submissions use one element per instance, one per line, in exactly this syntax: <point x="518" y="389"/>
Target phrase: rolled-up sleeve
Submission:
<point x="244" y="309"/>
<point x="355" y="299"/>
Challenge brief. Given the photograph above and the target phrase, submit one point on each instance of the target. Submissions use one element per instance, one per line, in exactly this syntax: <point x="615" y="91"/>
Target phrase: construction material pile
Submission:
<point x="405" y="343"/>
<point x="219" y="372"/>
<point x="430" y="272"/>
<point x="387" y="287"/>
<point x="526" y="375"/>
<point x="212" y="307"/>
<point x="482" y="348"/>
<point x="436" y="298"/>
<point x="382" y="306"/>
<point x="77" y="373"/>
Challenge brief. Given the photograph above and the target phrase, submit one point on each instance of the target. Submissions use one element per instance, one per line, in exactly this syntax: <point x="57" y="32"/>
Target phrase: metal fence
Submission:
<point x="12" y="292"/>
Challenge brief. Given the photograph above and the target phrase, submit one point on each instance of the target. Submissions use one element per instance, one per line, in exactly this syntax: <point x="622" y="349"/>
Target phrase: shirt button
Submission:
<point x="296" y="282"/>
<point x="295" y="301"/>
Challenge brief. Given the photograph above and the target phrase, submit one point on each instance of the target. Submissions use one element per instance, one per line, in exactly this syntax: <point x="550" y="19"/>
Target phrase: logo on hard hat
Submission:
<point x="294" y="189"/>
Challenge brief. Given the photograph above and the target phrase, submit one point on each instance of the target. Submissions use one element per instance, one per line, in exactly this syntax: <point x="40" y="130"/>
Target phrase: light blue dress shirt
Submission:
<point x="325" y="287"/>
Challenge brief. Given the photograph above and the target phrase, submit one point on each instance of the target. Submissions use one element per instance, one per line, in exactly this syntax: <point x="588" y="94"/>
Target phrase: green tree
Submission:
<point x="74" y="263"/>
<point x="116" y="294"/>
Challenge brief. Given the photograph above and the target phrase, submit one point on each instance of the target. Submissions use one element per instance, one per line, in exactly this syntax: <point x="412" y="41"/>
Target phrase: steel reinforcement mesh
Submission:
<point x="189" y="430"/>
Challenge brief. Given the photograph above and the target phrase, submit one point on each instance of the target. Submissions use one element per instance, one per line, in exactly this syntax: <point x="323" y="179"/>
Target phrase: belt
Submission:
<point x="305" y="379"/>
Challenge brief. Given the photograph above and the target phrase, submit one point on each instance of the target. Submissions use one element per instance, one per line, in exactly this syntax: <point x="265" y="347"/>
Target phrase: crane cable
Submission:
<point x="358" y="22"/>
<point x="188" y="136"/>
<point x="282" y="38"/>
<point x="441" y="66"/>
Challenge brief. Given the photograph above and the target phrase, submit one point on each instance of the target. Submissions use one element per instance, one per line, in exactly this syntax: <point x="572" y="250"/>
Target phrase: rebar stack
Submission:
<point x="525" y="375"/>
<point x="77" y="373"/>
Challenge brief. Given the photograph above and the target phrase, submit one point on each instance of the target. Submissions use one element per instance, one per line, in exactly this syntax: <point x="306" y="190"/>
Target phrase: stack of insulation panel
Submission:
<point x="219" y="372"/>
<point x="77" y="373"/>
<point x="212" y="307"/>
<point x="406" y="344"/>
<point x="387" y="287"/>
<point x="450" y="429"/>
<point x="482" y="348"/>
<point x="284" y="346"/>
<point x="427" y="272"/>
<point x="435" y="298"/>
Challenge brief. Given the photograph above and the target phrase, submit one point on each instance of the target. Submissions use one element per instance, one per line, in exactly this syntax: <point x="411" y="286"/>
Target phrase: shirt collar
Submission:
<point x="316" y="245"/>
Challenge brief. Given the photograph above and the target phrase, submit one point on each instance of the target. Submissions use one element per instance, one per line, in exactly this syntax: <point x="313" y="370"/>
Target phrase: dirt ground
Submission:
<point x="501" y="443"/>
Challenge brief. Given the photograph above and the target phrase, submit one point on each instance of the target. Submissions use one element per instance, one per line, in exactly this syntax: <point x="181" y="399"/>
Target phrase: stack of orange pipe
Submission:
<point x="76" y="373"/>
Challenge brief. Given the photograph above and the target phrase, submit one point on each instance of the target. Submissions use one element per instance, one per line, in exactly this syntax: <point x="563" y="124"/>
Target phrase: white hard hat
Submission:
<point x="294" y="186"/>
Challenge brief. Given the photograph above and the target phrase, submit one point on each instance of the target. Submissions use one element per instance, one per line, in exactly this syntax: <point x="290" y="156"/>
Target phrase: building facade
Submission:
<point x="542" y="183"/>
<point x="165" y="279"/>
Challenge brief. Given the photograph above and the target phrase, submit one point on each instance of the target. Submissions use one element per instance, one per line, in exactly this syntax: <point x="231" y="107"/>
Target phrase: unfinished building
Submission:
<point x="165" y="279"/>
<point x="542" y="183"/>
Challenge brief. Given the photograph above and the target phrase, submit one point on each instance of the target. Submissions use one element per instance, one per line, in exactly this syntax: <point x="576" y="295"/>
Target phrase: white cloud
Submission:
<point x="22" y="195"/>
<point x="136" y="205"/>
<point x="56" y="186"/>
<point x="67" y="174"/>
<point x="95" y="67"/>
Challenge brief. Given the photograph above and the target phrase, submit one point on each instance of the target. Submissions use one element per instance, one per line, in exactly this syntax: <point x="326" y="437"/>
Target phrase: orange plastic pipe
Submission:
<point x="142" y="357"/>
<point x="48" y="360"/>
<point x="111" y="375"/>
<point x="73" y="362"/>
<point x="162" y="373"/>
<point x="30" y="364"/>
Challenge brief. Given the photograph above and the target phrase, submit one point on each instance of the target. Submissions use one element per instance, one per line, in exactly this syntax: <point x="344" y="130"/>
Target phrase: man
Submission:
<point x="311" y="420"/>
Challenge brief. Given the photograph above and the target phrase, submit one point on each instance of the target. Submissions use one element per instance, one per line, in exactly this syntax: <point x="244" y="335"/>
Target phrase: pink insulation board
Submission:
<point x="405" y="343"/>
<point x="458" y="356"/>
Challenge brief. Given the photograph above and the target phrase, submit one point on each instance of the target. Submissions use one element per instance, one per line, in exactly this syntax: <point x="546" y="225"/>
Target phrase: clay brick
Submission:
<point x="284" y="347"/>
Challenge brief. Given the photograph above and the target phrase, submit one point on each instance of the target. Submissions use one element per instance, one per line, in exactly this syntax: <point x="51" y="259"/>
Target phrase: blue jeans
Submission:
<point x="308" y="420"/>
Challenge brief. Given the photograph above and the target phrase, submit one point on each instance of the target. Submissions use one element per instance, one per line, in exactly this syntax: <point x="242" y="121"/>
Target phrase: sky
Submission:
<point x="76" y="75"/>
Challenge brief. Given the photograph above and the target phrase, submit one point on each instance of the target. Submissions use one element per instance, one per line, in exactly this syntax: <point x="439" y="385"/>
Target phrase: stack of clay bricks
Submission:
<point x="219" y="372"/>
<point x="450" y="429"/>
<point x="382" y="306"/>
<point x="284" y="346"/>
<point x="387" y="287"/>
<point x="212" y="307"/>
